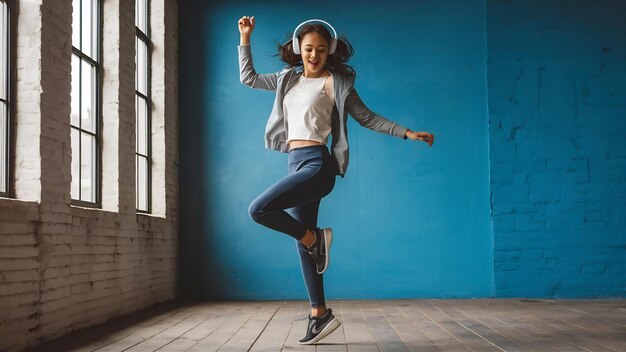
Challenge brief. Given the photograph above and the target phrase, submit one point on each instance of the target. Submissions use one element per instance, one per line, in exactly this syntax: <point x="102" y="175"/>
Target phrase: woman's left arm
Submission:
<point x="369" y="119"/>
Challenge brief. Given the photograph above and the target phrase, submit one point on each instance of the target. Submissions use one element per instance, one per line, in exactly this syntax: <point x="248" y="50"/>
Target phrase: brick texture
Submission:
<point x="63" y="267"/>
<point x="557" y="87"/>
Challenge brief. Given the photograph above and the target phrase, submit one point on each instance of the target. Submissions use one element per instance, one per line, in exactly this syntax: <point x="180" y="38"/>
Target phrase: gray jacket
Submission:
<point x="347" y="101"/>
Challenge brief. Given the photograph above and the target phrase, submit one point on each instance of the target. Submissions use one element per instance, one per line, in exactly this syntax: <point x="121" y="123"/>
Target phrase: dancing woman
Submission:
<point x="314" y="95"/>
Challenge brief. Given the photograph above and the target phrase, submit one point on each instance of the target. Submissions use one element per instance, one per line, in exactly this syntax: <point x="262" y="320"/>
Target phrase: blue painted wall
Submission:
<point x="557" y="107"/>
<point x="409" y="220"/>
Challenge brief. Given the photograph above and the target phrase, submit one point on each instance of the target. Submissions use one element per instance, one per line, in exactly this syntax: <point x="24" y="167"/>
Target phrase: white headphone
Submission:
<point x="296" y="42"/>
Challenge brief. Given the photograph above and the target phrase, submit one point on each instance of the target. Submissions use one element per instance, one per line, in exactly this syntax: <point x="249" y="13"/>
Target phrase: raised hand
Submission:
<point x="421" y="136"/>
<point x="246" y="25"/>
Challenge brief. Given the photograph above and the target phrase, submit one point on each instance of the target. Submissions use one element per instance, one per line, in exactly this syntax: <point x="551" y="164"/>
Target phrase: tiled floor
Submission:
<point x="397" y="325"/>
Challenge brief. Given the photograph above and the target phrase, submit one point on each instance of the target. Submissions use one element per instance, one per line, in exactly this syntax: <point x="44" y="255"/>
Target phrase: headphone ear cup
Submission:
<point x="333" y="46"/>
<point x="296" y="46"/>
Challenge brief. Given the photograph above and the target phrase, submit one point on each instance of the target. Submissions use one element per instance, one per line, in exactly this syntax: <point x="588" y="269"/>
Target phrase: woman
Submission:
<point x="314" y="95"/>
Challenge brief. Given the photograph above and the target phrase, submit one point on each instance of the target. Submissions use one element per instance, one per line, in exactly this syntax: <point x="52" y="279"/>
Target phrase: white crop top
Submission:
<point x="308" y="110"/>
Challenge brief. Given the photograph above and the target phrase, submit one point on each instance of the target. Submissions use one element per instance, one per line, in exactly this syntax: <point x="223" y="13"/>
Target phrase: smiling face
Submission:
<point x="314" y="52"/>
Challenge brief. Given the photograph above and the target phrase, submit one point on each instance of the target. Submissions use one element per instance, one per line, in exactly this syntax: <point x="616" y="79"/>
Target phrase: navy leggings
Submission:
<point x="291" y="206"/>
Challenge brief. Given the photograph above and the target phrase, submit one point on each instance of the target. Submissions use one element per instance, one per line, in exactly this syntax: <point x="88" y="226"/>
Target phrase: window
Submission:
<point x="5" y="122"/>
<point x="85" y="101"/>
<point x="142" y="106"/>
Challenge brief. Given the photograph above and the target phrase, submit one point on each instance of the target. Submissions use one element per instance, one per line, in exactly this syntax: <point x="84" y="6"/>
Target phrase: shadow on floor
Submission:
<point x="85" y="336"/>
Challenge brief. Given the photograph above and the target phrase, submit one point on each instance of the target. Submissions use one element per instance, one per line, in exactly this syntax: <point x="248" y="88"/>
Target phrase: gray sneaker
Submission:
<point x="320" y="251"/>
<point x="319" y="328"/>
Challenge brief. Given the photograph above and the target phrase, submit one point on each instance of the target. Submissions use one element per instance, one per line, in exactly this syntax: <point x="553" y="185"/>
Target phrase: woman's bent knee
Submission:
<point x="255" y="210"/>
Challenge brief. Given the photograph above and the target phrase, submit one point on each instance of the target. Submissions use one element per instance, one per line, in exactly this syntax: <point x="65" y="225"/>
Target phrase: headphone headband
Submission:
<point x="296" y="42"/>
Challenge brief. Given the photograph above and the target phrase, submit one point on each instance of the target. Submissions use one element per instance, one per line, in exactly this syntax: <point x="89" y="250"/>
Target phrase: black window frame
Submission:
<point x="97" y="203"/>
<point x="9" y="156"/>
<point x="145" y="38"/>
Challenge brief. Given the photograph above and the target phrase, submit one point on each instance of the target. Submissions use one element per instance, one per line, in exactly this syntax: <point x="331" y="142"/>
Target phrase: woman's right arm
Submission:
<point x="247" y="73"/>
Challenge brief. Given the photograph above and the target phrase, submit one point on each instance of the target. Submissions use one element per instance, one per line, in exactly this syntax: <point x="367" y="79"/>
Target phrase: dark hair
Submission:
<point x="335" y="63"/>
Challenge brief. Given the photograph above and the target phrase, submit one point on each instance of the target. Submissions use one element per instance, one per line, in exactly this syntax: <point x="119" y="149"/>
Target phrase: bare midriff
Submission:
<point x="297" y="143"/>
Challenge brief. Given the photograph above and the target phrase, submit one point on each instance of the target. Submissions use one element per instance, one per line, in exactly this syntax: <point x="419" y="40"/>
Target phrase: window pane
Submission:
<point x="87" y="167"/>
<point x="76" y="23"/>
<point x="136" y="62"/>
<point x="142" y="183"/>
<point x="94" y="29"/>
<point x="141" y="15"/>
<point x="3" y="50"/>
<point x="75" y="163"/>
<point x="142" y="67"/>
<point x="4" y="123"/>
<point x="86" y="28"/>
<point x="3" y="148"/>
<point x="142" y="126"/>
<point x="75" y="115"/>
<point x="88" y="97"/>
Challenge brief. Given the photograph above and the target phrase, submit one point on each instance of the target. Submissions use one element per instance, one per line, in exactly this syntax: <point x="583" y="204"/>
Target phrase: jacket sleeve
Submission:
<point x="367" y="118"/>
<point x="248" y="75"/>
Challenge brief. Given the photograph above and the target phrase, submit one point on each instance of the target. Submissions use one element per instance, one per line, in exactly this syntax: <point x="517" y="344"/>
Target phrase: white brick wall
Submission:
<point x="62" y="267"/>
<point x="27" y="101"/>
